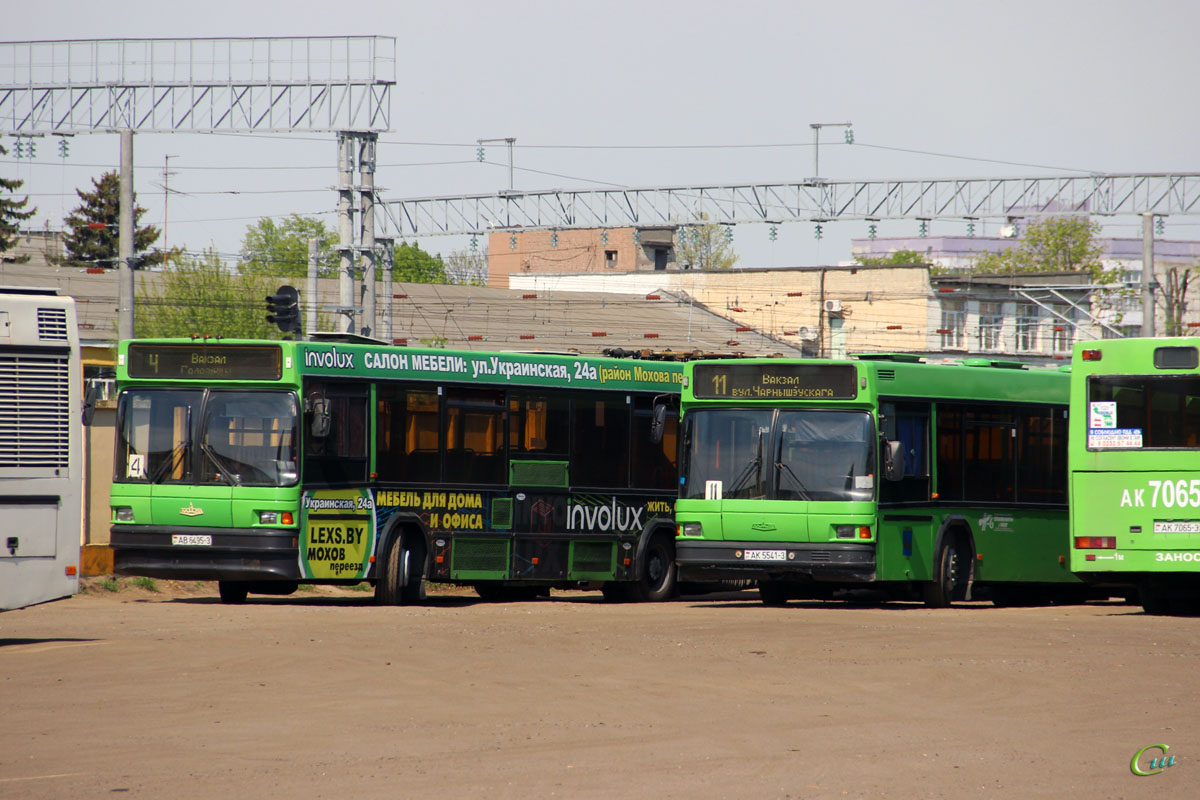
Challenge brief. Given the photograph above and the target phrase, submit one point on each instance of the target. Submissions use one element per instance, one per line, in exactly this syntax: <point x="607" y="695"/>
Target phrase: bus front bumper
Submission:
<point x="230" y="554"/>
<point x="825" y="562"/>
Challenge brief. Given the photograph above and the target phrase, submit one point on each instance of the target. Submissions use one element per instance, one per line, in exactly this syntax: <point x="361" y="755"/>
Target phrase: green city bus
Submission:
<point x="1135" y="468"/>
<point x="266" y="464"/>
<point x="884" y="472"/>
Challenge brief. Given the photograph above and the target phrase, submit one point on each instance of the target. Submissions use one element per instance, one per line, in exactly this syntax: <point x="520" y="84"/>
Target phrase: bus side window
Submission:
<point x="907" y="423"/>
<point x="341" y="455"/>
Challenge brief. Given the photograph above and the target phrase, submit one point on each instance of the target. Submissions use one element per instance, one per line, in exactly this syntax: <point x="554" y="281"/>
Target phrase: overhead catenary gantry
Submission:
<point x="814" y="201"/>
<point x="236" y="85"/>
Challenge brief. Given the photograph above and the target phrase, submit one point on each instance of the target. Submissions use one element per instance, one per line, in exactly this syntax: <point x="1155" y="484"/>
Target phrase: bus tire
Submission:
<point x="232" y="592"/>
<point x="773" y="593"/>
<point x="951" y="572"/>
<point x="656" y="571"/>
<point x="402" y="573"/>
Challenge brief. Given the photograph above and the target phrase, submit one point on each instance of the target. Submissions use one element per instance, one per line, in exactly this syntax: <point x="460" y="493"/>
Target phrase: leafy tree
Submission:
<point x="199" y="296"/>
<point x="467" y="267"/>
<point x="894" y="258"/>
<point x="414" y="265"/>
<point x="12" y="213"/>
<point x="1055" y="244"/>
<point x="281" y="248"/>
<point x="94" y="229"/>
<point x="704" y="246"/>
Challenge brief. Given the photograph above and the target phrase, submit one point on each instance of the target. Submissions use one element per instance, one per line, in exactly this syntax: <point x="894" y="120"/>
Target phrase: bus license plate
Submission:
<point x="765" y="555"/>
<point x="201" y="539"/>
<point x="1177" y="527"/>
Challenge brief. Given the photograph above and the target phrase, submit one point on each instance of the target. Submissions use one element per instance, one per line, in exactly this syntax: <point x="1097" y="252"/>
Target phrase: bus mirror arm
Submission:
<point x="893" y="460"/>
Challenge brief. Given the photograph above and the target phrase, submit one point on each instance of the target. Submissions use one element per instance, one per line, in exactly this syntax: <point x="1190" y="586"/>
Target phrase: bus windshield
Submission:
<point x="193" y="436"/>
<point x="789" y="455"/>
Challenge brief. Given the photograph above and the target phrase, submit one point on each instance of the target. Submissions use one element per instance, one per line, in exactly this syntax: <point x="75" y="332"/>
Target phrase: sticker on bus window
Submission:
<point x="1115" y="437"/>
<point x="1102" y="414"/>
<point x="864" y="481"/>
<point x="136" y="467"/>
<point x="712" y="490"/>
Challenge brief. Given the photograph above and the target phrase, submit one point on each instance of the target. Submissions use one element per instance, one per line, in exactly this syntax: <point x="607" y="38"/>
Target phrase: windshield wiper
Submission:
<point x="232" y="478"/>
<point x="782" y="467"/>
<point x="171" y="461"/>
<point x="753" y="469"/>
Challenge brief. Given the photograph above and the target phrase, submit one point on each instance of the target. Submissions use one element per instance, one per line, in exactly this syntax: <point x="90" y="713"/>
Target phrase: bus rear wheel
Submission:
<point x="232" y="592"/>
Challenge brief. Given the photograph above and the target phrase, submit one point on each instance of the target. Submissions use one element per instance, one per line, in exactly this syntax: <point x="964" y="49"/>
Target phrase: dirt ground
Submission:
<point x="171" y="694"/>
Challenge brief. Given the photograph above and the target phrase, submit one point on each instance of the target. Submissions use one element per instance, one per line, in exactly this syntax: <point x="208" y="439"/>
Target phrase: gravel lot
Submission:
<point x="171" y="694"/>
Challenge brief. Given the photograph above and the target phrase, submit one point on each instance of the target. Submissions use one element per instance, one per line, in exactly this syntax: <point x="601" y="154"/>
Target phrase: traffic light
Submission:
<point x="284" y="309"/>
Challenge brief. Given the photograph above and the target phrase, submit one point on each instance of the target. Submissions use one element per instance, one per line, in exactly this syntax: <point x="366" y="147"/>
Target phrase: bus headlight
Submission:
<point x="275" y="518"/>
<point x="691" y="529"/>
<point x="852" y="531"/>
<point x="122" y="514"/>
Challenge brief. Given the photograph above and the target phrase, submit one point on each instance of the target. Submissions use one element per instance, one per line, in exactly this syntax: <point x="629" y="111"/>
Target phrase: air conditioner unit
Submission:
<point x="806" y="333"/>
<point x="833" y="306"/>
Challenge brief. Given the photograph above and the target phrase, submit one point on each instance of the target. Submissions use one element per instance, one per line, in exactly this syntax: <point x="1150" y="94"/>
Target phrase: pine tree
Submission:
<point x="94" y="229"/>
<point x="12" y="213"/>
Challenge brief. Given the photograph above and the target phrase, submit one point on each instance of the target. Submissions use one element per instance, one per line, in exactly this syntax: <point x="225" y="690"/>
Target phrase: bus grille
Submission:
<point x="480" y="555"/>
<point x="52" y="324"/>
<point x="592" y="557"/>
<point x="35" y="420"/>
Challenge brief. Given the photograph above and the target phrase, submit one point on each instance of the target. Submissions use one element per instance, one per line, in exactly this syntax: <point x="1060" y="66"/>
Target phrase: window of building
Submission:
<point x="1063" y="330"/>
<point x="954" y="325"/>
<point x="991" y="321"/>
<point x="1027" y="319"/>
<point x="610" y="258"/>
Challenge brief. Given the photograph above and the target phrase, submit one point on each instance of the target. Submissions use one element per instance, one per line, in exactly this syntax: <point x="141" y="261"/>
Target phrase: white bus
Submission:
<point x="41" y="464"/>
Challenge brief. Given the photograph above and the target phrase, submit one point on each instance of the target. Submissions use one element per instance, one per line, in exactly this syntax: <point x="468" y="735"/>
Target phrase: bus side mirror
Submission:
<point x="658" y="425"/>
<point x="89" y="403"/>
<point x="893" y="460"/>
<point x="320" y="418"/>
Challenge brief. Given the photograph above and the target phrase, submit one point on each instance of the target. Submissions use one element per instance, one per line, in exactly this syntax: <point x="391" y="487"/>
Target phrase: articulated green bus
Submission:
<point x="1135" y="468"/>
<point x="945" y="481"/>
<point x="266" y="464"/>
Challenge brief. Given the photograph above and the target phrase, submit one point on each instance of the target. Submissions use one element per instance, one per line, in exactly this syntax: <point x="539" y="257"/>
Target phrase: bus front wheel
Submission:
<point x="951" y="573"/>
<point x="402" y="574"/>
<point x="656" y="571"/>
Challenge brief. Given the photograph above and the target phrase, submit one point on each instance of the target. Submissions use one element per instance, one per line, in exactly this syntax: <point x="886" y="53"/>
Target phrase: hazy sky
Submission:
<point x="980" y="89"/>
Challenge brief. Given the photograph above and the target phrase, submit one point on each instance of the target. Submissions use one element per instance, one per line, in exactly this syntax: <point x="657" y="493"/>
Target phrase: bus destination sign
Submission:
<point x="200" y="361"/>
<point x="778" y="381"/>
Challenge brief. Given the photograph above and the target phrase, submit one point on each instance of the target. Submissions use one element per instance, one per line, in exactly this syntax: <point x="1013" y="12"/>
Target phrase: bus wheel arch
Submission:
<point x="655" y="564"/>
<point x="953" y="567"/>
<point x="402" y="565"/>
